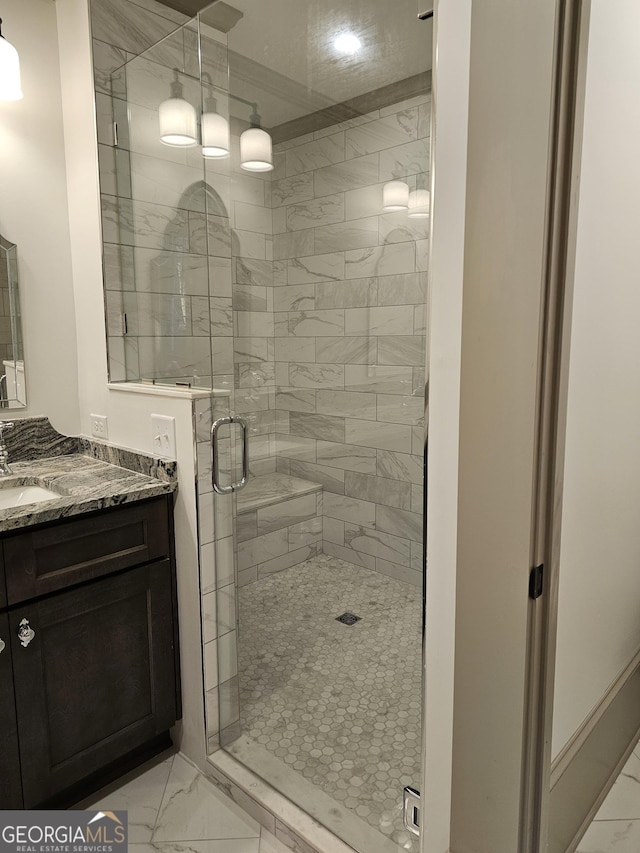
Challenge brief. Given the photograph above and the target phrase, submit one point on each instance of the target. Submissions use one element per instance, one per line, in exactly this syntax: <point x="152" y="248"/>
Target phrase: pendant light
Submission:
<point x="178" y="119"/>
<point x="256" y="153"/>
<point x="395" y="196"/>
<point x="10" y="89"/>
<point x="419" y="204"/>
<point x="215" y="128"/>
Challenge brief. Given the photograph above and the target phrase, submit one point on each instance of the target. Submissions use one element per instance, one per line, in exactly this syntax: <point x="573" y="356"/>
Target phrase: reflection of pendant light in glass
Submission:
<point x="419" y="204"/>
<point x="215" y="128"/>
<point x="255" y="146"/>
<point x="395" y="196"/>
<point x="178" y="119"/>
<point x="10" y="89"/>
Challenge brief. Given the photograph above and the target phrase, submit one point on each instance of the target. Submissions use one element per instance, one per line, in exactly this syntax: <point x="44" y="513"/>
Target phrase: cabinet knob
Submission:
<point x="25" y="633"/>
<point x="2" y="645"/>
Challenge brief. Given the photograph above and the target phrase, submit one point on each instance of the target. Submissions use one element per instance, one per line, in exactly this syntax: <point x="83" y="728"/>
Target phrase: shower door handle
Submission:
<point x="215" y="456"/>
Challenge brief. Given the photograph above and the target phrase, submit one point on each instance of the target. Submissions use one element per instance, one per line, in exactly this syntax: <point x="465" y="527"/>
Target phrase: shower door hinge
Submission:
<point x="535" y="581"/>
<point x="411" y="811"/>
<point x="115" y="134"/>
<point x="125" y="327"/>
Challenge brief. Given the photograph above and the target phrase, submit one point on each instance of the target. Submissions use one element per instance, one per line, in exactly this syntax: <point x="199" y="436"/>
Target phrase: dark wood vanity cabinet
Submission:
<point x="10" y="784"/>
<point x="95" y="663"/>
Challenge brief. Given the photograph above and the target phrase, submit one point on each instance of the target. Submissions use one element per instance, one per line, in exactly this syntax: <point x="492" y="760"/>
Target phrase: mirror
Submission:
<point x="12" y="385"/>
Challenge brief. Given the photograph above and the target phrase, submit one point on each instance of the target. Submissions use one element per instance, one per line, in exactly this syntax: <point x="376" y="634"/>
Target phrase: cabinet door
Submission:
<point x="10" y="787"/>
<point x="96" y="680"/>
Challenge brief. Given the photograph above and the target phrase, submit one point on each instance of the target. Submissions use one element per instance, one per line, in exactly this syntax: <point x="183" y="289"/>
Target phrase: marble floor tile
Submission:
<point x="141" y="798"/>
<point x="192" y="809"/>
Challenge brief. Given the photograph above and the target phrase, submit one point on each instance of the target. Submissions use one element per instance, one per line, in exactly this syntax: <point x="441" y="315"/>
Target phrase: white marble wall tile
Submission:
<point x="247" y="297"/>
<point x="226" y="608"/>
<point x="157" y="314"/>
<point x="206" y="528"/>
<point x="333" y="530"/>
<point x="417" y="556"/>
<point x="286" y="513"/>
<point x="295" y="349"/>
<point x="389" y="320"/>
<point x="248" y="244"/>
<point x="117" y="359"/>
<point x="293" y="558"/>
<point x="349" y="555"/>
<point x="221" y="355"/>
<point x="104" y="120"/>
<point x="324" y="427"/>
<point x="118" y="267"/>
<point x="403" y="349"/>
<point x="219" y="277"/>
<point x="354" y="173"/>
<point x="255" y="551"/>
<point x="254" y="324"/>
<point x="298" y="297"/>
<point x="399" y="522"/>
<point x="316" y="268"/>
<point x="161" y="182"/>
<point x="132" y="359"/>
<point x="132" y="28"/>
<point x="227" y="656"/>
<point x="296" y="447"/>
<point x="252" y="399"/>
<point x="256" y="375"/>
<point x="117" y="220"/>
<point x="420" y="320"/>
<point x="175" y="356"/>
<point x="346" y="404"/>
<point x="106" y="58"/>
<point x="293" y="143"/>
<point x="305" y="533"/>
<point x="279" y="273"/>
<point x="292" y="190"/>
<point x="377" y="544"/>
<point x="343" y="350"/>
<point x="355" y="293"/>
<point x="422" y="255"/>
<point x="293" y="244"/>
<point x="211" y="664"/>
<point x="400" y="228"/>
<point x="392" y="130"/>
<point x="107" y="170"/>
<point x="207" y="562"/>
<point x="209" y="617"/>
<point x="400" y="466"/>
<point x="332" y="479"/>
<point x="300" y="375"/>
<point x="355" y="234"/>
<point x="378" y="489"/>
<point x="405" y="574"/>
<point x="350" y="509"/>
<point x="296" y="399"/>
<point x="417" y="498"/>
<point x="321" y="211"/>
<point x="247" y="350"/>
<point x="367" y="201"/>
<point x="250" y="217"/>
<point x="179" y="273"/>
<point x="379" y="261"/>
<point x="349" y="457"/>
<point x="407" y="104"/>
<point x="424" y="120"/>
<point x="256" y="273"/>
<point x="316" y="323"/>
<point x="409" y="159"/>
<point x="400" y="409"/>
<point x="378" y="435"/>
<point x="315" y="154"/>
<point x="343" y="125"/>
<point x="219" y="317"/>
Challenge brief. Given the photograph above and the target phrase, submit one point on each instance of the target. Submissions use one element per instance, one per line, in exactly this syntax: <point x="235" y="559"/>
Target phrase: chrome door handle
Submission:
<point x="215" y="456"/>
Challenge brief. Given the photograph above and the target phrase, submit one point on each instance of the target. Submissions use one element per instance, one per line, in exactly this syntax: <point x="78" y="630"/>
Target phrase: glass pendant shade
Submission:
<point x="215" y="135"/>
<point x="10" y="88"/>
<point x="419" y="204"/>
<point x="255" y="150"/>
<point x="395" y="196"/>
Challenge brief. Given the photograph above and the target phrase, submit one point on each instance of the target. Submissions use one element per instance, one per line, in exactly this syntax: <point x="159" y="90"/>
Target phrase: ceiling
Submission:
<point x="282" y="54"/>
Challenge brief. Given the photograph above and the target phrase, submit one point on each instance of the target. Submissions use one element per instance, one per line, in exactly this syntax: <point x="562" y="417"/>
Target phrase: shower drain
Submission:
<point x="348" y="618"/>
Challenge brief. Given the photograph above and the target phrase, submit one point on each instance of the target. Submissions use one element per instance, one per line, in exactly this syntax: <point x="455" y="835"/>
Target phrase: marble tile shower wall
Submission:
<point x="349" y="324"/>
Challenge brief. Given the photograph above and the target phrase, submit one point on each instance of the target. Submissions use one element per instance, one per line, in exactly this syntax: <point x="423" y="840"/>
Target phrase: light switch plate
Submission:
<point x="99" y="427"/>
<point x="163" y="435"/>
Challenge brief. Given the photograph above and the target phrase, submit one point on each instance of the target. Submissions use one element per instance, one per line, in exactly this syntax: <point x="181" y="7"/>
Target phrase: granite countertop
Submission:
<point x="85" y="484"/>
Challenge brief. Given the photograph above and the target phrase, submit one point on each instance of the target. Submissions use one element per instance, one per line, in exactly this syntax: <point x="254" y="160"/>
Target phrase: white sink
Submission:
<point x="23" y="495"/>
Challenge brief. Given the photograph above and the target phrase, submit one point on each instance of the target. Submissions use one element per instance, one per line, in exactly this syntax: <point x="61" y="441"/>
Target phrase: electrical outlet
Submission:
<point x="99" y="427"/>
<point x="163" y="435"/>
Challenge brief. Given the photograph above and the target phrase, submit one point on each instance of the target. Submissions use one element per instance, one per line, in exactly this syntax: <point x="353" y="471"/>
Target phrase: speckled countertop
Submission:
<point x="83" y="483"/>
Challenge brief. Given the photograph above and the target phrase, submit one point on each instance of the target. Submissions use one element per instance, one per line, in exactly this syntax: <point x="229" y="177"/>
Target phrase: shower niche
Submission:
<point x="266" y="236"/>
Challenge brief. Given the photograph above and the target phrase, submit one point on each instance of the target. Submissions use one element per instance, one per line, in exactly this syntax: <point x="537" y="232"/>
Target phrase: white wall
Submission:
<point x="599" y="597"/>
<point x="33" y="214"/>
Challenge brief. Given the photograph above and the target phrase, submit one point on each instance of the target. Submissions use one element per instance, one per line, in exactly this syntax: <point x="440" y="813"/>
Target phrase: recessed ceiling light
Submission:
<point x="347" y="43"/>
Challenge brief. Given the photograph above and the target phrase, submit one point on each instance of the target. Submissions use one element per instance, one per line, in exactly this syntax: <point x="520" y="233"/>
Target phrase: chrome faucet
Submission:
<point x="4" y="456"/>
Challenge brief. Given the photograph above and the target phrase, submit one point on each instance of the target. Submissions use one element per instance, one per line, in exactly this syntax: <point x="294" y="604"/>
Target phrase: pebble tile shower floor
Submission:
<point x="339" y="704"/>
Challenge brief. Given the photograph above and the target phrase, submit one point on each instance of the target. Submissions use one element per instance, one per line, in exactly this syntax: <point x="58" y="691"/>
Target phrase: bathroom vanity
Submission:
<point x="89" y="672"/>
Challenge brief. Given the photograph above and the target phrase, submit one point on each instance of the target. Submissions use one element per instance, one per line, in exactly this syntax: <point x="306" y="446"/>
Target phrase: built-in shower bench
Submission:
<point x="279" y="524"/>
